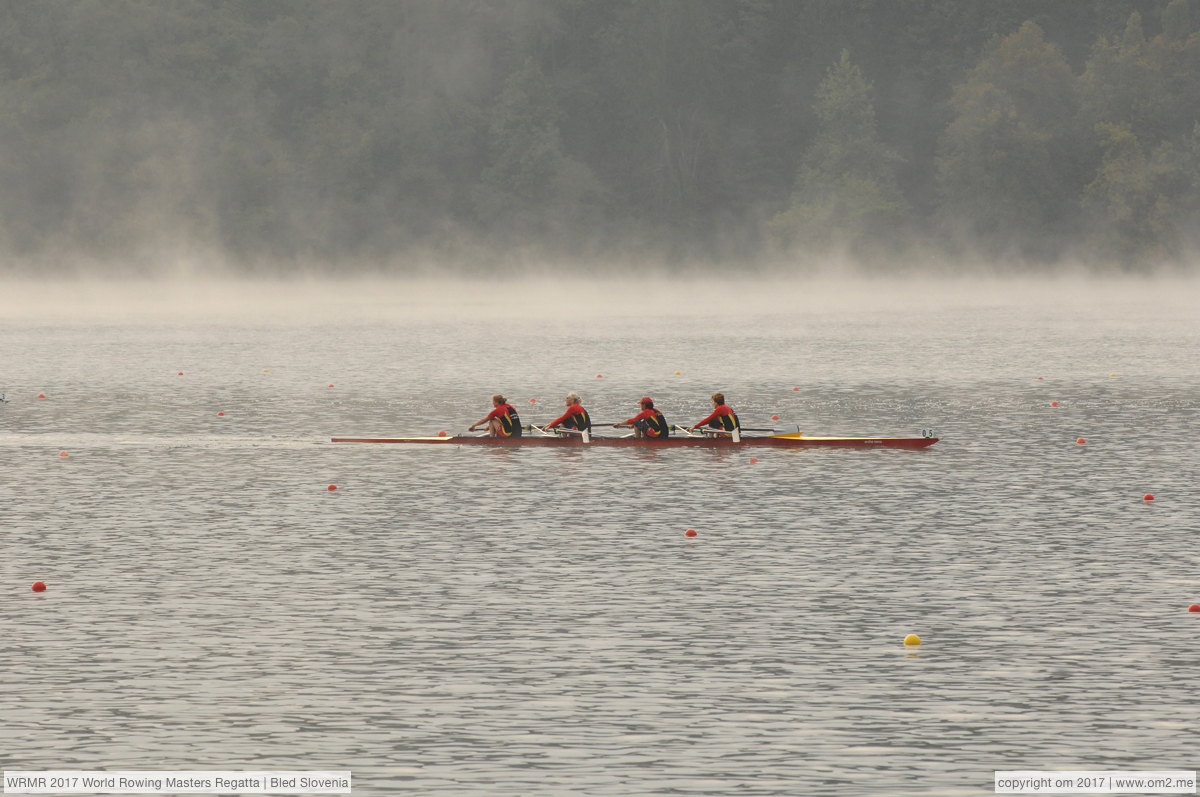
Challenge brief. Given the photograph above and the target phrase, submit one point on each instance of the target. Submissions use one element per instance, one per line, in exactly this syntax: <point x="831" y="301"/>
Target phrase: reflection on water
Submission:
<point x="533" y="621"/>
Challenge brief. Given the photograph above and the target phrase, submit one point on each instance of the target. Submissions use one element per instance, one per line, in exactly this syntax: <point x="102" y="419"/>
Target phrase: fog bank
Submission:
<point x="253" y="301"/>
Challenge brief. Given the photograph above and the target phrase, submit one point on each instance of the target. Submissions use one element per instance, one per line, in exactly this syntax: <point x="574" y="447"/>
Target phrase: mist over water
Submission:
<point x="533" y="621"/>
<point x="548" y="293"/>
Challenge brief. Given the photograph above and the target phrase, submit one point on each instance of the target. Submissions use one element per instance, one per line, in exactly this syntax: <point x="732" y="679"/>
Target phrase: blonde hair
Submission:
<point x="499" y="399"/>
<point x="574" y="398"/>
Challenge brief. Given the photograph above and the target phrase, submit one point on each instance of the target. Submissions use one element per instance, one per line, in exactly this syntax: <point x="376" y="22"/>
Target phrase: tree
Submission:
<point x="529" y="186"/>
<point x="845" y="191"/>
<point x="1008" y="172"/>
<point x="1151" y="86"/>
<point x="1175" y="57"/>
<point x="1123" y="197"/>
<point x="1119" y="85"/>
<point x="1145" y="207"/>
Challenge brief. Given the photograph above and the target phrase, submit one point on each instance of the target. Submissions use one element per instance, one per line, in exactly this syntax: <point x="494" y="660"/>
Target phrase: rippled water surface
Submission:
<point x="474" y="621"/>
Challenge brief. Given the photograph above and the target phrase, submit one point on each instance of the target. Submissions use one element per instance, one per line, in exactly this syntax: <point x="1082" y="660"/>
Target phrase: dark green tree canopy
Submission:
<point x="846" y="190"/>
<point x="312" y="132"/>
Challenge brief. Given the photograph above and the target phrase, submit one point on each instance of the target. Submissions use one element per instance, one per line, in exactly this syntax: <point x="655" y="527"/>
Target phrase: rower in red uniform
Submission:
<point x="502" y="421"/>
<point x="576" y="417"/>
<point x="722" y="416"/>
<point x="649" y="423"/>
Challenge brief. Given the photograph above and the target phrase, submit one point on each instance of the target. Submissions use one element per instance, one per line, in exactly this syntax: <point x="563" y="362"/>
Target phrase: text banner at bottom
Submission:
<point x="1094" y="782"/>
<point x="177" y="782"/>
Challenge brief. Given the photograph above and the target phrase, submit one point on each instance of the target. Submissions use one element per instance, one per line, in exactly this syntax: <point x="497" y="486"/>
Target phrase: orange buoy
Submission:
<point x="1195" y="607"/>
<point x="39" y="586"/>
<point x="331" y="487"/>
<point x="63" y="454"/>
<point x="1053" y="403"/>
<point x="753" y="460"/>
<point x="690" y="533"/>
<point x="1148" y="497"/>
<point x="441" y="433"/>
<point x="533" y="401"/>
<point x="1080" y="440"/>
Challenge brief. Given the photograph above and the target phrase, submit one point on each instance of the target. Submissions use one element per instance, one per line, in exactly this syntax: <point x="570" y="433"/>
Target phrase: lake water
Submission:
<point x="472" y="621"/>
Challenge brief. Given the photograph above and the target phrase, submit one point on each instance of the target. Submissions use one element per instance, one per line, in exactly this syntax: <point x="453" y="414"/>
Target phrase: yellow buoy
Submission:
<point x="676" y="373"/>
<point x="912" y="639"/>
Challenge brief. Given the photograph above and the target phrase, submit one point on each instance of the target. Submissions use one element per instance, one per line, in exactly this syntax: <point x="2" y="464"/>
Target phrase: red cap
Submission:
<point x="646" y="400"/>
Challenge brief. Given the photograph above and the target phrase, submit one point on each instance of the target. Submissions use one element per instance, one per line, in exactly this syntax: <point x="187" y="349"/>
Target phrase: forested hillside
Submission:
<point x="487" y="133"/>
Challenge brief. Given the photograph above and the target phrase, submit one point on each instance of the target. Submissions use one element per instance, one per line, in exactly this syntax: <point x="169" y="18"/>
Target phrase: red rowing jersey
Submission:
<point x="722" y="418"/>
<point x="510" y="422"/>
<point x="653" y="424"/>
<point x="576" y="417"/>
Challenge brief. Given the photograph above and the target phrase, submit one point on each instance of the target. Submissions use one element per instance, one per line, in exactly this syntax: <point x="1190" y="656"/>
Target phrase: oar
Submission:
<point x="558" y="431"/>
<point x="711" y="431"/>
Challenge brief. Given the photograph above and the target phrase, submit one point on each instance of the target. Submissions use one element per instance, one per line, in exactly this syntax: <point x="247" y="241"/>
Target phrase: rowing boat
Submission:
<point x="790" y="440"/>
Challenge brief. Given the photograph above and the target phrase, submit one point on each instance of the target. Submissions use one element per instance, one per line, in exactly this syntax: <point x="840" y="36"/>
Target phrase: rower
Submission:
<point x="576" y="418"/>
<point x="723" y="419"/>
<point x="649" y="423"/>
<point x="502" y="421"/>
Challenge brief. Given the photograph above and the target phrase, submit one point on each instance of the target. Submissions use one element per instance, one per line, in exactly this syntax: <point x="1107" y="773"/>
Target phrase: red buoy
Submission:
<point x="181" y="373"/>
<point x="1195" y="607"/>
<point x="220" y="413"/>
<point x="1148" y="497"/>
<point x="63" y="454"/>
<point x="330" y="385"/>
<point x="753" y="460"/>
<point x="795" y="388"/>
<point x="533" y="401"/>
<point x="1040" y="378"/>
<point x="39" y="586"/>
<point x="331" y="487"/>
<point x="1080" y="440"/>
<point x="41" y="395"/>
<point x="441" y="433"/>
<point x="1053" y="403"/>
<point x="599" y="376"/>
<point x="690" y="533"/>
<point x="774" y="417"/>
